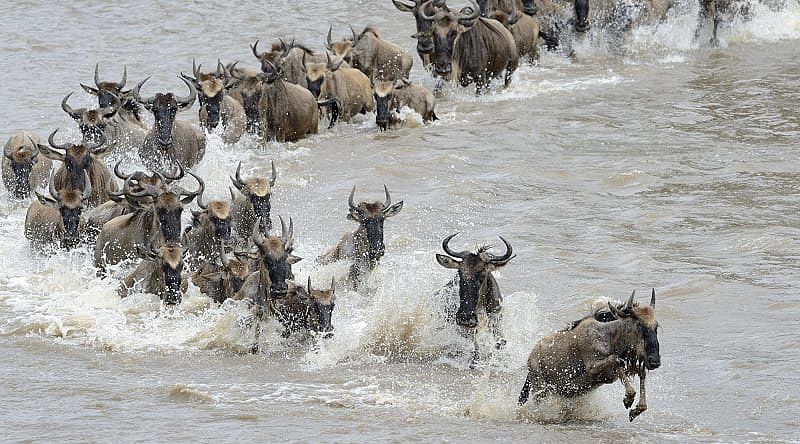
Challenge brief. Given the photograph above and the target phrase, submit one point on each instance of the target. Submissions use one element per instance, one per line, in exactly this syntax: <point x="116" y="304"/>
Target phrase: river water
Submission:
<point x="652" y="162"/>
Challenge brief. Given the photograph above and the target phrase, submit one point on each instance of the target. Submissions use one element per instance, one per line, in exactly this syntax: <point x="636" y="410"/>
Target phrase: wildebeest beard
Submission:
<point x="71" y="218"/>
<point x="172" y="283"/>
<point x="164" y="111"/>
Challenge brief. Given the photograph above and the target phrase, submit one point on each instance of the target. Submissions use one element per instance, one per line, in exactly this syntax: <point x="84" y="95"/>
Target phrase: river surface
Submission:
<point x="652" y="162"/>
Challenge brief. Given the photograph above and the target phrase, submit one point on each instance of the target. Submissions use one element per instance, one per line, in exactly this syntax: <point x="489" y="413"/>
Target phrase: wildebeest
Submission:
<point x="478" y="291"/>
<point x="159" y="273"/>
<point x="24" y="168"/>
<point x="372" y="55"/>
<point x="275" y="267"/>
<point x="523" y="27"/>
<point x="170" y="142"/>
<point x="106" y="92"/>
<point x="469" y="48"/>
<point x="78" y="159"/>
<point x="591" y="353"/>
<point x="276" y="109"/>
<point x="288" y="58"/>
<point x="160" y="220"/>
<point x="56" y="219"/>
<point x="392" y="96"/>
<point x="717" y="11"/>
<point x="424" y="35"/>
<point x="363" y="247"/>
<point x="217" y="107"/>
<point x="252" y="205"/>
<point x="305" y="309"/>
<point x="346" y="90"/>
<point x="91" y="122"/>
<point x="210" y="227"/>
<point x="222" y="279"/>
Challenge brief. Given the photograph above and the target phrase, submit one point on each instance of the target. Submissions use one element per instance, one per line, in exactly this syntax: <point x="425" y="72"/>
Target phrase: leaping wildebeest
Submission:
<point x="56" y="219"/>
<point x="478" y="291"/>
<point x="371" y="54"/>
<point x="469" y="48"/>
<point x="364" y="247"/>
<point x="24" y="168"/>
<point x="591" y="353"/>
<point x="78" y="159"/>
<point x="170" y="143"/>
<point x="216" y="106"/>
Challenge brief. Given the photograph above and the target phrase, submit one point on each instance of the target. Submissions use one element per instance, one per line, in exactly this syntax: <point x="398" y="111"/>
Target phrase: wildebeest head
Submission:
<point x="321" y="303"/>
<point x="210" y="91"/>
<point x="250" y="87"/>
<point x="370" y="216"/>
<point x="168" y="202"/>
<point x="22" y="158"/>
<point x="342" y="49"/>
<point x="258" y="191"/>
<point x="646" y="339"/>
<point x="107" y="92"/>
<point x="92" y="123"/>
<point x="164" y="108"/>
<point x="169" y="258"/>
<point x="318" y="73"/>
<point x="420" y="9"/>
<point x="77" y="158"/>
<point x="446" y="27"/>
<point x="529" y="7"/>
<point x="216" y="217"/>
<point x="235" y="270"/>
<point x="474" y="277"/>
<point x="276" y="255"/>
<point x="385" y="100"/>
<point x="69" y="203"/>
<point x="582" y="15"/>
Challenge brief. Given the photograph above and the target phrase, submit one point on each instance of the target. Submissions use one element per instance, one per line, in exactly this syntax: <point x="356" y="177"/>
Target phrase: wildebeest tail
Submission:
<point x="526" y="390"/>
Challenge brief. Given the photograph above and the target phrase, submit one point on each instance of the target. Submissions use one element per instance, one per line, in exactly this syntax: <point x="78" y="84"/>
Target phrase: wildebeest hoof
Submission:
<point x="628" y="401"/>
<point x="254" y="349"/>
<point x="501" y="343"/>
<point x="636" y="412"/>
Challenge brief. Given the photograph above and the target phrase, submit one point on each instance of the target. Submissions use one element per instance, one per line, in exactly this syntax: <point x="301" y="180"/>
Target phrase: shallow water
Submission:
<point x="655" y="164"/>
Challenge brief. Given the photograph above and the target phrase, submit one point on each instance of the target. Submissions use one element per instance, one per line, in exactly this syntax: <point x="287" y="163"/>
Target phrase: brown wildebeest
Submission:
<point x="478" y="292"/>
<point x="424" y="34"/>
<point x="252" y="205"/>
<point x="305" y="309"/>
<point x="210" y="227"/>
<point x="57" y="219"/>
<point x="158" y="218"/>
<point x="288" y="58"/>
<point x="390" y="97"/>
<point x="78" y="159"/>
<point x="371" y="54"/>
<point x="364" y="247"/>
<point x="276" y="109"/>
<point x="346" y="90"/>
<point x="469" y="48"/>
<point x="24" y="169"/>
<point x="217" y="107"/>
<point x="106" y="92"/>
<point x="159" y="273"/>
<point x="591" y="353"/>
<point x="170" y="143"/>
<point x="523" y="27"/>
<point x="223" y="279"/>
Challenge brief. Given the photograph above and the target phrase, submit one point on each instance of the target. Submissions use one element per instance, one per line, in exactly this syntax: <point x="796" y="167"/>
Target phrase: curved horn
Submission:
<point x="7" y="150"/>
<point x="254" y="48"/>
<point x="200" y="189"/>
<point x="438" y="15"/>
<point x="274" y="174"/>
<point x="124" y="77"/>
<point x="52" y="187"/>
<point x="75" y="114"/>
<point x="502" y="260"/>
<point x="200" y="203"/>
<point x="355" y="36"/>
<point x="446" y="248"/>
<point x="653" y="298"/>
<point x="135" y="92"/>
<point x="237" y="178"/>
<point x="258" y="238"/>
<point x="52" y="141"/>
<point x="468" y="20"/>
<point x="166" y="177"/>
<point x="220" y="69"/>
<point x="629" y="302"/>
<point x="97" y="74"/>
<point x="34" y="151"/>
<point x="350" y="201"/>
<point x="284" y="47"/>
<point x="119" y="173"/>
<point x="188" y="101"/>
<point x="231" y="71"/>
<point x="309" y="285"/>
<point x="284" y="233"/>
<point x="333" y="284"/>
<point x="87" y="191"/>
<point x="195" y="69"/>
<point x="328" y="40"/>
<point x="388" y="201"/>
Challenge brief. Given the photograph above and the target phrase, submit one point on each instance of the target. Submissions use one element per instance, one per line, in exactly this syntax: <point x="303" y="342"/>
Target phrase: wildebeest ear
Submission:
<point x="292" y="259"/>
<point x="393" y="210"/>
<point x="45" y="200"/>
<point x="447" y="262"/>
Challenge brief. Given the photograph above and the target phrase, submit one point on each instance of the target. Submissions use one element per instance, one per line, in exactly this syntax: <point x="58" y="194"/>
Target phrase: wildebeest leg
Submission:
<point x="526" y="390"/>
<point x="630" y="393"/>
<point x="494" y="326"/>
<point x="510" y="68"/>
<point x="642" y="406"/>
<point x="257" y="312"/>
<point x="437" y="88"/>
<point x="603" y="365"/>
<point x="474" y="360"/>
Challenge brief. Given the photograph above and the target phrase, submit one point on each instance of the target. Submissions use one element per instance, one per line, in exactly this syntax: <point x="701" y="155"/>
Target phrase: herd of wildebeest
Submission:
<point x="229" y="250"/>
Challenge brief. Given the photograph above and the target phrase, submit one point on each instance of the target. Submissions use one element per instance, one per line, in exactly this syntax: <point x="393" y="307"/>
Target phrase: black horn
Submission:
<point x="188" y="101"/>
<point x="446" y="248"/>
<point x="52" y="141"/>
<point x="502" y="260"/>
<point x="97" y="74"/>
<point x="328" y="40"/>
<point x="75" y="114"/>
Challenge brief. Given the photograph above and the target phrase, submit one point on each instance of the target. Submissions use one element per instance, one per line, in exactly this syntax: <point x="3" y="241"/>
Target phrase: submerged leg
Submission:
<point x="642" y="406"/>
